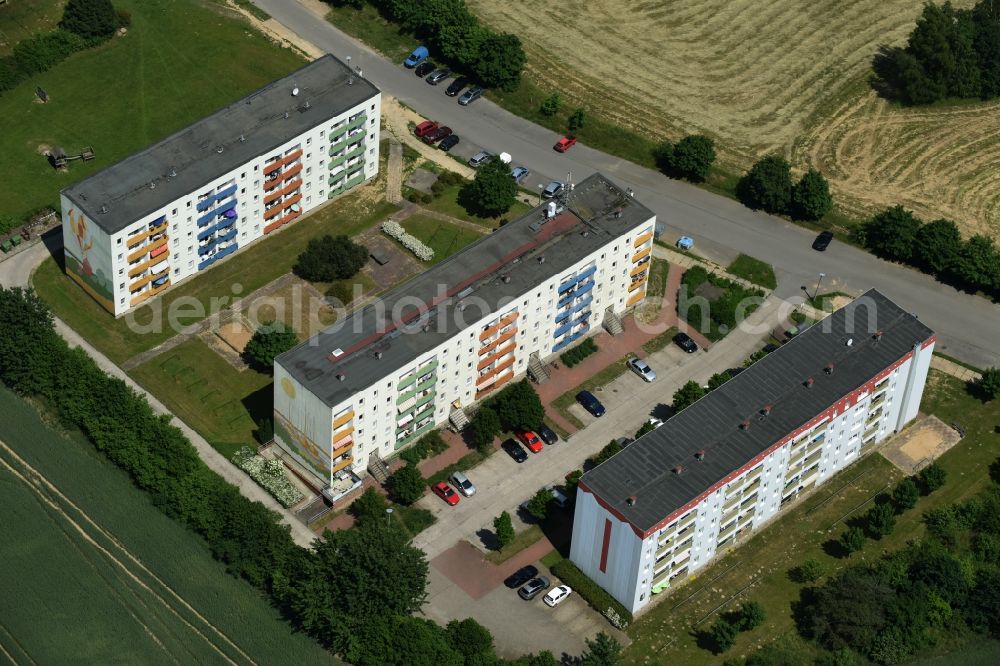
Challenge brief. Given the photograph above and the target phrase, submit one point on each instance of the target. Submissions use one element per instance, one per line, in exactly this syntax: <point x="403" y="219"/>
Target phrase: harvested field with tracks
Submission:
<point x="788" y="76"/>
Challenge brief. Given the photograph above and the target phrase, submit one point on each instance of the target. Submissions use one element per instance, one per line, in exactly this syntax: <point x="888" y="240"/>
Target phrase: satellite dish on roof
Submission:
<point x="295" y="91"/>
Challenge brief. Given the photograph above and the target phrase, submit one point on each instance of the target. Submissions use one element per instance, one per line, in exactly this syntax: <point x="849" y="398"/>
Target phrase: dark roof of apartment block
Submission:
<point x="181" y="163"/>
<point x="839" y="354"/>
<point x="484" y="277"/>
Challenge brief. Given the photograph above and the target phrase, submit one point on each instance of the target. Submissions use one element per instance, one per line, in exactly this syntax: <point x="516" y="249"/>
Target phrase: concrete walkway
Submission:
<point x="954" y="369"/>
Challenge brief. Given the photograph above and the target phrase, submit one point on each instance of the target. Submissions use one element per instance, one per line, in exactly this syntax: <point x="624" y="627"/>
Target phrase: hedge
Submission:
<point x="592" y="593"/>
<point x="429" y="445"/>
<point x="578" y="353"/>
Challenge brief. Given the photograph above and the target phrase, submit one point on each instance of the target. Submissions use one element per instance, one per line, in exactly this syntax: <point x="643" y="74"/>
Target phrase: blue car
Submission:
<point x="418" y="56"/>
<point x="590" y="403"/>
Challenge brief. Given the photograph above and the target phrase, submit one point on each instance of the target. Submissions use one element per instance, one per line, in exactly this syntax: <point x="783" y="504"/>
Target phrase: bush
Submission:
<point x="988" y="385"/>
<point x="750" y="616"/>
<point x="691" y="157"/>
<point x="931" y="478"/>
<point x="807" y="572"/>
<point x="592" y="593"/>
<point x="10" y="75"/>
<point x="538" y="505"/>
<point x="811" y="198"/>
<point x="576" y="121"/>
<point x="687" y="395"/>
<point x="852" y="540"/>
<point x="880" y="520"/>
<point x="723" y="635"/>
<point x="518" y="406"/>
<point x="371" y="505"/>
<point x="429" y="445"/>
<point x="270" y="340"/>
<point x="406" y="485"/>
<point x="269" y="474"/>
<point x="39" y="53"/>
<point x="905" y="495"/>
<point x="609" y="450"/>
<point x="93" y="20"/>
<point x="330" y="258"/>
<point x="892" y="234"/>
<point x="578" y="353"/>
<point x="551" y="105"/>
<point x="767" y="186"/>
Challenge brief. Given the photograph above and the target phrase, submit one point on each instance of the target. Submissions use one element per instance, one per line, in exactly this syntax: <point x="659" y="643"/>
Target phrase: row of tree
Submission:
<point x="691" y="157"/>
<point x="516" y="407"/>
<point x="950" y="53"/>
<point x="495" y="59"/>
<point x="936" y="247"/>
<point x="768" y="186"/>
<point x="85" y="23"/>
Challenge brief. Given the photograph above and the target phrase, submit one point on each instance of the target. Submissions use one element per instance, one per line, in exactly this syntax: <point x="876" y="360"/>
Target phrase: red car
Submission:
<point x="531" y="440"/>
<point x="565" y="143"/>
<point x="425" y="127"/>
<point x="444" y="491"/>
<point x="436" y="135"/>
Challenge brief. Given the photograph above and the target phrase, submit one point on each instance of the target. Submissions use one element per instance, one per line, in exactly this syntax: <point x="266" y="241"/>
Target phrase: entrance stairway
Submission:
<point x="612" y="322"/>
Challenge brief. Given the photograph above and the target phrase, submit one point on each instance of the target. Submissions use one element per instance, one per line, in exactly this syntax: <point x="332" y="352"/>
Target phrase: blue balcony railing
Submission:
<point x="566" y="286"/>
<point x="215" y="212"/>
<point x="562" y="316"/>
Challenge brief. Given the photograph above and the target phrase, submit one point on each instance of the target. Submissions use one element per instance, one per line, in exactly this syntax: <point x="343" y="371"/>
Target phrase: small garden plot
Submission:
<point x="269" y="473"/>
<point x="443" y="238"/>
<point x="727" y="302"/>
<point x="753" y="270"/>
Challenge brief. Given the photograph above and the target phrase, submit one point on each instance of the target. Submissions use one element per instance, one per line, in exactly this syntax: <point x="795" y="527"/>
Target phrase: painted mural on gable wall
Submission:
<point x="87" y="252"/>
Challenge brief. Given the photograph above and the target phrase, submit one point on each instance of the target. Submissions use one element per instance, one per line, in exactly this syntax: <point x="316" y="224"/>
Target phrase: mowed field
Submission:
<point x="787" y="76"/>
<point x="93" y="573"/>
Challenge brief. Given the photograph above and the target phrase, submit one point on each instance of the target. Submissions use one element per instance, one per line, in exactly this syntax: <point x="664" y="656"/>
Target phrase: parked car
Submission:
<point x="547" y="434"/>
<point x="590" y="403"/>
<point x="531" y="589"/>
<point x="558" y="497"/>
<point x="461" y="481"/>
<point x="519" y="173"/>
<point x="685" y="242"/>
<point x="480" y="157"/>
<point x="418" y="56"/>
<point x="448" y="142"/>
<point x="823" y="241"/>
<point x="514" y="450"/>
<point x="425" y="127"/>
<point x="444" y="491"/>
<point x="424" y="68"/>
<point x="530" y="440"/>
<point x="641" y="368"/>
<point x="557" y="595"/>
<point x="552" y="189"/>
<point x="655" y="421"/>
<point x="456" y="86"/>
<point x="471" y="95"/>
<point x="565" y="143"/>
<point x="437" y="134"/>
<point x="521" y="576"/>
<point x="684" y="341"/>
<point x="438" y="75"/>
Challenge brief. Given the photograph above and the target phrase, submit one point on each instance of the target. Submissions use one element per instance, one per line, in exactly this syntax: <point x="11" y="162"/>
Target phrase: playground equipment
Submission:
<point x="58" y="157"/>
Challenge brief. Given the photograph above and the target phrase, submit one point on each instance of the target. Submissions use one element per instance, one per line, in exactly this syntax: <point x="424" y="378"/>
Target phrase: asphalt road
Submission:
<point x="721" y="227"/>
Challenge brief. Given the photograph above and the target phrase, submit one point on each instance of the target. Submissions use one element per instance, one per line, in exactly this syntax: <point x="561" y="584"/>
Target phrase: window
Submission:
<point x="255" y="167"/>
<point x="120" y="256"/>
<point x="120" y="240"/>
<point x="122" y="301"/>
<point x="174" y="212"/>
<point x="121" y="286"/>
<point x="309" y="141"/>
<point x="243" y="190"/>
<point x="121" y="271"/>
<point x="322" y="133"/>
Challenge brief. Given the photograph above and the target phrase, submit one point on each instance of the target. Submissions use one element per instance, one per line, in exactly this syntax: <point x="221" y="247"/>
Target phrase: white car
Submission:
<point x="461" y="481"/>
<point x="655" y="422"/>
<point x="557" y="595"/>
<point x="641" y="368"/>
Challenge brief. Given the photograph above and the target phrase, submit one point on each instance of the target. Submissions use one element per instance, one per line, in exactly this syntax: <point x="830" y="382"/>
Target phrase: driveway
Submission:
<point x="722" y="228"/>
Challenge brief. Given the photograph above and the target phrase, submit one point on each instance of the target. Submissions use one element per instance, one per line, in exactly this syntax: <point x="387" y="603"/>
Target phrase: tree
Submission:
<point x="472" y="640"/>
<point x="750" y="616"/>
<point x="484" y="428"/>
<point x="937" y="246"/>
<point x="767" y="186"/>
<point x="519" y="406"/>
<point x="892" y="233"/>
<point x="880" y="520"/>
<point x="988" y="385"/>
<point x="271" y="339"/>
<point x="663" y="155"/>
<point x="931" y="478"/>
<point x="723" y="635"/>
<point x="91" y="19"/>
<point x="807" y="572"/>
<point x="609" y="450"/>
<point x="551" y="105"/>
<point x="718" y="379"/>
<point x="370" y="506"/>
<point x="461" y="42"/>
<point x="811" y="198"/>
<point x="501" y="59"/>
<point x="978" y="264"/>
<point x="647" y="426"/>
<point x="504" y="528"/>
<point x="692" y="157"/>
<point x="853" y="539"/>
<point x="407" y="485"/>
<point x="577" y="120"/>
<point x="602" y="650"/>
<point x="330" y="258"/>
<point x="905" y="495"/>
<point x="538" y="505"/>
<point x="543" y="658"/>
<point x="687" y="395"/>
<point x="493" y="191"/>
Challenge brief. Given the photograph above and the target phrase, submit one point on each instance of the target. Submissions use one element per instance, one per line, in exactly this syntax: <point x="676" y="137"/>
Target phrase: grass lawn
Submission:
<point x="524" y="539"/>
<point x="24" y="19"/>
<point x="180" y="60"/>
<point x="465" y="463"/>
<point x="367" y="25"/>
<point x="202" y="389"/>
<point x="245" y="272"/>
<point x="660" y="341"/>
<point x="597" y="380"/>
<point x="449" y="202"/>
<point x="824" y="302"/>
<point x="101" y="576"/>
<point x="656" y="286"/>
<point x="445" y="238"/>
<point x="753" y="270"/>
<point x="762" y="562"/>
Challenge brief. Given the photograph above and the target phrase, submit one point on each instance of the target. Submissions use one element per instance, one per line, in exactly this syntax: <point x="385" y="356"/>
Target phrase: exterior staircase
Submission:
<point x="458" y="419"/>
<point x="612" y="322"/>
<point x="537" y="369"/>
<point x="377" y="468"/>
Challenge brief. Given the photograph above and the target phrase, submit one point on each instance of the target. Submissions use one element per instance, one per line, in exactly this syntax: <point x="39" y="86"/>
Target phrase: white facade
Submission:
<point x="224" y="215"/>
<point x="633" y="566"/>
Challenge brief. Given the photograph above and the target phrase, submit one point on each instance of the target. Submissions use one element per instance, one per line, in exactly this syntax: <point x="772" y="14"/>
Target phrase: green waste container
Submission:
<point x="6" y="246"/>
<point x="16" y="240"/>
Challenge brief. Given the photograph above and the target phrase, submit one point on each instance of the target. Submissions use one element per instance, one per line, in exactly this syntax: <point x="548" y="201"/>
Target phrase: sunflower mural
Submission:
<point x="299" y="445"/>
<point x="83" y="249"/>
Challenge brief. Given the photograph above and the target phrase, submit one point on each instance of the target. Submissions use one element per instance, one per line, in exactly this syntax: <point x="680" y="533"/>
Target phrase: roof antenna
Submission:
<point x="350" y="75"/>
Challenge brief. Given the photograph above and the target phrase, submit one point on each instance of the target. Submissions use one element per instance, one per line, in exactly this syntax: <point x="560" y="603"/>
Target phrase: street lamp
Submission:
<point x="541" y="186"/>
<point x="818" y="283"/>
<point x="388" y="515"/>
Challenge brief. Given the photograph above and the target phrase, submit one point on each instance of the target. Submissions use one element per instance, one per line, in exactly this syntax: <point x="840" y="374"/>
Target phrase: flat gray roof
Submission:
<point x="243" y="130"/>
<point x="446" y="299"/>
<point x="644" y="469"/>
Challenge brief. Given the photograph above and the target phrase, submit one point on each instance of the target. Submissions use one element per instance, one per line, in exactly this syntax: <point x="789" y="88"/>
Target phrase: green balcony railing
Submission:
<point x="357" y="122"/>
<point x="357" y="151"/>
<point x="336" y="162"/>
<point x="427" y="383"/>
<point x="338" y="145"/>
<point x="352" y="182"/>
<point x="424" y="369"/>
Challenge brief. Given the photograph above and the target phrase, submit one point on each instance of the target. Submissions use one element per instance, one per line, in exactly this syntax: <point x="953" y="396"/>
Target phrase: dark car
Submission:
<point x="470" y="96"/>
<point x="448" y="142"/>
<point x="424" y="68"/>
<point x="515" y="450"/>
<point x="823" y="241"/>
<point x="456" y="86"/>
<point x="547" y="434"/>
<point x="521" y="576"/>
<point x="437" y="134"/>
<point x="684" y="341"/>
<point x="438" y="75"/>
<point x="590" y="403"/>
<point x="533" y="587"/>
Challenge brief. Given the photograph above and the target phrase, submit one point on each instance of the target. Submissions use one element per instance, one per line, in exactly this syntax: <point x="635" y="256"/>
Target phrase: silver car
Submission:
<point x="461" y="481"/>
<point x="479" y="158"/>
<point x="552" y="189"/>
<point x="519" y="174"/>
<point x="438" y="75"/>
<point x="470" y="96"/>
<point x="641" y="368"/>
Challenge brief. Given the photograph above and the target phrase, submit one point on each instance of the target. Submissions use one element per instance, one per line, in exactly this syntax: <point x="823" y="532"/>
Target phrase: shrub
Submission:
<point x="578" y="353"/>
<point x="723" y="635"/>
<point x="484" y="428"/>
<point x="10" y="75"/>
<point x="371" y="505"/>
<point x="518" y="406"/>
<point x="811" y="198"/>
<point x="39" y="53"/>
<point x="576" y="121"/>
<point x="609" y="450"/>
<point x="807" y="572"/>
<point x="551" y="105"/>
<point x="429" y="445"/>
<point x="270" y="340"/>
<point x="330" y="258"/>
<point x="269" y="474"/>
<point x="892" y="233"/>
<point x="406" y="485"/>
<point x="880" y="520"/>
<point x="691" y="157"/>
<point x="592" y="593"/>
<point x="988" y="385"/>
<point x="905" y="495"/>
<point x="931" y="478"/>
<point x="852" y="540"/>
<point x="687" y="395"/>
<point x="538" y="505"/>
<point x="493" y="191"/>
<point x="750" y="616"/>
<point x="93" y="20"/>
<point x="504" y="528"/>
<point x="767" y="186"/>
<point x="410" y="242"/>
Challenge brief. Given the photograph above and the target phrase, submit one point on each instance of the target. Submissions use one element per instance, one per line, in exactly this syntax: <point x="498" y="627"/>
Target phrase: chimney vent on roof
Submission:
<point x="808" y="383"/>
<point x="678" y="469"/>
<point x="152" y="184"/>
<point x="295" y="91"/>
<point x="877" y="336"/>
<point x="104" y="208"/>
<point x="378" y="354"/>
<point x="849" y="342"/>
<point x="541" y="259"/>
<point x="506" y="279"/>
<point x="745" y="425"/>
<point x="700" y="455"/>
<point x="766" y="409"/>
<point x="243" y="138"/>
<point x="632" y="499"/>
<point x="586" y="233"/>
<point x="173" y="172"/>
<point x="341" y="376"/>
<point x="829" y="368"/>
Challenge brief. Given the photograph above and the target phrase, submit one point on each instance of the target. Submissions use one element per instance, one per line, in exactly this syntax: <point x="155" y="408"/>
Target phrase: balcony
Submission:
<point x="355" y="150"/>
<point x="341" y="464"/>
<point x="356" y="180"/>
<point x="641" y="240"/>
<point x="489" y="331"/>
<point x="487" y="348"/>
<point x="586" y="273"/>
<point x="642" y="254"/>
<point x="214" y="213"/>
<point x="342" y="449"/>
<point x="336" y="162"/>
<point x="358" y="121"/>
<point x="492" y="358"/>
<point x="338" y="146"/>
<point x="635" y="298"/>
<point x="636" y="284"/>
<point x="406" y="381"/>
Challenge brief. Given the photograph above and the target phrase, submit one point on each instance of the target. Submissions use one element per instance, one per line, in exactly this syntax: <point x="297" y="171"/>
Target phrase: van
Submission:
<point x="418" y="56"/>
<point x="558" y="497"/>
<point x="461" y="481"/>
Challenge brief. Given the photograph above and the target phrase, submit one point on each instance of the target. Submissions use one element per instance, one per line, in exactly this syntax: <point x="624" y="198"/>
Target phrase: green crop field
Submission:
<point x="93" y="573"/>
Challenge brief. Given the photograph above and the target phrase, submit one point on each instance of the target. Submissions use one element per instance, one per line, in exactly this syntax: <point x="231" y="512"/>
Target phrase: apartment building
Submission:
<point x="666" y="505"/>
<point x="376" y="381"/>
<point x="185" y="203"/>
